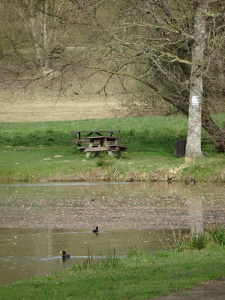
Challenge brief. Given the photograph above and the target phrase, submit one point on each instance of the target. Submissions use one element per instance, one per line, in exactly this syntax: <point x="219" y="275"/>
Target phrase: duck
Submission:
<point x="64" y="254"/>
<point x="95" y="230"/>
<point x="192" y="182"/>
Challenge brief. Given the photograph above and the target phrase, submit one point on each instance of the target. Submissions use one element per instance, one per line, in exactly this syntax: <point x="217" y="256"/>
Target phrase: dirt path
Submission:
<point x="210" y="290"/>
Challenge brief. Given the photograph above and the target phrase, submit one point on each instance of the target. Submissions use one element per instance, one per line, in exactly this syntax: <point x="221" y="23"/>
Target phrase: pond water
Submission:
<point x="37" y="221"/>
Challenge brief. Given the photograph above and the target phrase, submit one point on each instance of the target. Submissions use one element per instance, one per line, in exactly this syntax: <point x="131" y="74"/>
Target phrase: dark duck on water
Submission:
<point x="95" y="230"/>
<point x="192" y="182"/>
<point x="64" y="254"/>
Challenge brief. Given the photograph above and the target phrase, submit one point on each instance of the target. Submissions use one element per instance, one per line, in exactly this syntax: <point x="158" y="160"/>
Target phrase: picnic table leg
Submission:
<point x="119" y="154"/>
<point x="88" y="154"/>
<point x="97" y="153"/>
<point x="78" y="135"/>
<point x="106" y="144"/>
<point x="90" y="146"/>
<point x="78" y="138"/>
<point x="110" y="153"/>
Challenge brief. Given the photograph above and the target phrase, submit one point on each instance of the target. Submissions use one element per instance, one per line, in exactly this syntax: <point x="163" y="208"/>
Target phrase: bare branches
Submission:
<point x="144" y="45"/>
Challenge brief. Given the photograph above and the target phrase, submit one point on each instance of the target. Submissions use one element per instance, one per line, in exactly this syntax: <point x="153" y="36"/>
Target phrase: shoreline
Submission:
<point x="151" y="177"/>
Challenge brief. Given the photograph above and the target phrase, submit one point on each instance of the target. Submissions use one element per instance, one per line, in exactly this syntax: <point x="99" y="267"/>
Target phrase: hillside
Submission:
<point x="36" y="107"/>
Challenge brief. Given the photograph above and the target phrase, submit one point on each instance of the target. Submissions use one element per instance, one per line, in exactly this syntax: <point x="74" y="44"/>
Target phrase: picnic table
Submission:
<point x="99" y="143"/>
<point x="87" y="133"/>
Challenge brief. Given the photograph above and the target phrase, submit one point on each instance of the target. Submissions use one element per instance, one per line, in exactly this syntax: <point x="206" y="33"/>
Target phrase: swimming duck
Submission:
<point x="192" y="182"/>
<point x="95" y="230"/>
<point x="189" y="182"/>
<point x="64" y="254"/>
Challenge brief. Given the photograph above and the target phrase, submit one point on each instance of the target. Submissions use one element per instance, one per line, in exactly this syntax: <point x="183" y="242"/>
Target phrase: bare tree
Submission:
<point x="41" y="19"/>
<point x="169" y="47"/>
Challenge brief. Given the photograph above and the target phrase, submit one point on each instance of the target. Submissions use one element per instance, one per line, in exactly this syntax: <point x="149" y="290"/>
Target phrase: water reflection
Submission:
<point x="195" y="210"/>
<point x="37" y="221"/>
<point x="31" y="252"/>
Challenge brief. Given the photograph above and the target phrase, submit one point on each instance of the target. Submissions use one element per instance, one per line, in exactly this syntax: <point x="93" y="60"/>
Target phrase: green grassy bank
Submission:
<point x="140" y="276"/>
<point x="41" y="151"/>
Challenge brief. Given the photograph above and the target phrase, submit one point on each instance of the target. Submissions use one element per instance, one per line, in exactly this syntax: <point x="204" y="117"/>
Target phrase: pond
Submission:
<point x="37" y="221"/>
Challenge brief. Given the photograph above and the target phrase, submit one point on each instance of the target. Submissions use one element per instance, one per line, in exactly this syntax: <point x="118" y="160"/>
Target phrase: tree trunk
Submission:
<point x="35" y="36"/>
<point x="45" y="34"/>
<point x="217" y="135"/>
<point x="193" y="148"/>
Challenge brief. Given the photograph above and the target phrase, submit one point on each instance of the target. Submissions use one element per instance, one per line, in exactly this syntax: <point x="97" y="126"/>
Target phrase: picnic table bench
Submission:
<point x="104" y="143"/>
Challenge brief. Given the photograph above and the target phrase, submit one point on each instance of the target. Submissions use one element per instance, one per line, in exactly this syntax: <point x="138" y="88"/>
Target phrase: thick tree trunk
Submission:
<point x="217" y="135"/>
<point x="193" y="148"/>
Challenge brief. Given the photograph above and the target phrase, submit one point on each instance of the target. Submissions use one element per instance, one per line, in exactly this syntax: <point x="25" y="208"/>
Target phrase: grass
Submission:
<point x="134" y="131"/>
<point x="139" y="276"/>
<point x="25" y="148"/>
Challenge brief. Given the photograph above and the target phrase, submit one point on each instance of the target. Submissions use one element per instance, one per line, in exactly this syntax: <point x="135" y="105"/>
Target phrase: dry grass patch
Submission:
<point x="33" y="107"/>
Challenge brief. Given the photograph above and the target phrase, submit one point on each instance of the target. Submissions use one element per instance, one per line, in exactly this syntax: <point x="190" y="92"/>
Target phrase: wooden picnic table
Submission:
<point x="103" y="143"/>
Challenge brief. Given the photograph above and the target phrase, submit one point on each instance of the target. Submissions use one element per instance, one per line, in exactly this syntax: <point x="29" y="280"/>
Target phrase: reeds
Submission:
<point x="185" y="240"/>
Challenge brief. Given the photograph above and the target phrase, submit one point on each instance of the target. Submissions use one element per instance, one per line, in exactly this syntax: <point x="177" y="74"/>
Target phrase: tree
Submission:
<point x="41" y="19"/>
<point x="46" y="29"/>
<point x="33" y="25"/>
<point x="193" y="148"/>
<point x="170" y="47"/>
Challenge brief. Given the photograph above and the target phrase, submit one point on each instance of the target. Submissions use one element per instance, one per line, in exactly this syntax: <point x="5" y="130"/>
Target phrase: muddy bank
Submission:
<point x="102" y="175"/>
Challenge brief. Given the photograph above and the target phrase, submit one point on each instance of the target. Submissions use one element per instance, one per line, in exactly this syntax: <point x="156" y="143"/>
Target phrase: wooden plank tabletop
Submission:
<point x="94" y="131"/>
<point x="103" y="137"/>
